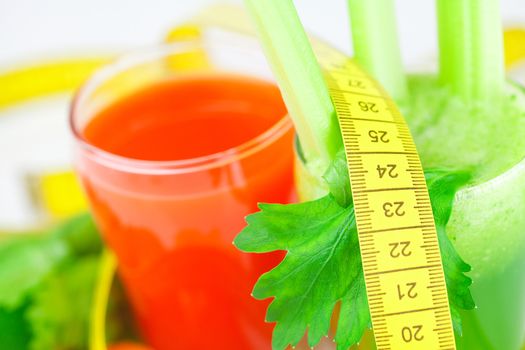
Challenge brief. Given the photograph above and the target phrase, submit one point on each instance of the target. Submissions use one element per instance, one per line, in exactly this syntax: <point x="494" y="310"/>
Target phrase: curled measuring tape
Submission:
<point x="405" y="282"/>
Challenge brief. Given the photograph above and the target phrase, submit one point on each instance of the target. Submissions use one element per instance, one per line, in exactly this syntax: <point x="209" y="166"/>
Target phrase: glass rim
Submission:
<point x="161" y="167"/>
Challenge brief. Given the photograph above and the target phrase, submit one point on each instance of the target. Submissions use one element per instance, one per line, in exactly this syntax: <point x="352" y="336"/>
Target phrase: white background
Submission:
<point x="34" y="28"/>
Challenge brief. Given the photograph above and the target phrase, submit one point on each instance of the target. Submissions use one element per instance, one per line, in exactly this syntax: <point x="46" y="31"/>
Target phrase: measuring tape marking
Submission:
<point x="402" y="264"/>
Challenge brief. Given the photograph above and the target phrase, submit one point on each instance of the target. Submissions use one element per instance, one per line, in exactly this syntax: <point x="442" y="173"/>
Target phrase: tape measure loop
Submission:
<point x="402" y="265"/>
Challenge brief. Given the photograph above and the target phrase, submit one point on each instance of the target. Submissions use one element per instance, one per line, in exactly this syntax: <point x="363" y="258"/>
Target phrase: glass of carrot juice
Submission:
<point x="174" y="147"/>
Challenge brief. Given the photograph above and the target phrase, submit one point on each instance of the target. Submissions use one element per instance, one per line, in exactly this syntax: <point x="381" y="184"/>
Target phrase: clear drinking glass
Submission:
<point x="171" y="223"/>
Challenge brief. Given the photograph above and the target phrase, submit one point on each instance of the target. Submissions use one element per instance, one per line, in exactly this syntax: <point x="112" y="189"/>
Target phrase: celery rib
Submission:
<point x="299" y="76"/>
<point x="471" y="49"/>
<point x="376" y="44"/>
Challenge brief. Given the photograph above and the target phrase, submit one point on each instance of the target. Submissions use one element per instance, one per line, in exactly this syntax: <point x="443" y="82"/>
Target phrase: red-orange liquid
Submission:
<point x="172" y="233"/>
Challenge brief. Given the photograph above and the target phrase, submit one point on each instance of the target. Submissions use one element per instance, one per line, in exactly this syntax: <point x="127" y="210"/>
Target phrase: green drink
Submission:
<point x="468" y="119"/>
<point x="487" y="225"/>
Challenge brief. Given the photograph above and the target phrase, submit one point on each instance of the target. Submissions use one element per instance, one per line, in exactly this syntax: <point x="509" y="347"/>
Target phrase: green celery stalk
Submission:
<point x="299" y="76"/>
<point x="376" y="45"/>
<point x="471" y="49"/>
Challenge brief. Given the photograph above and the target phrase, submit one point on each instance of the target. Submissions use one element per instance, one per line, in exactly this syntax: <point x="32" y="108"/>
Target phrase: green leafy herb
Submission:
<point x="46" y="282"/>
<point x="26" y="260"/>
<point x="443" y="186"/>
<point x="14" y="330"/>
<point x="80" y="234"/>
<point x="322" y="266"/>
<point x="60" y="307"/>
<point x="22" y="266"/>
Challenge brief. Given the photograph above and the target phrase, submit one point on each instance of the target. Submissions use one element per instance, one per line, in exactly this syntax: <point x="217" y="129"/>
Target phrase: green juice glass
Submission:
<point x="487" y="225"/>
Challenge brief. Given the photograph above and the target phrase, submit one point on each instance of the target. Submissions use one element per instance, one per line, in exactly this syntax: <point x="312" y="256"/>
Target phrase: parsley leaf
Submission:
<point x="26" y="260"/>
<point x="443" y="186"/>
<point x="46" y="282"/>
<point x="22" y="266"/>
<point x="60" y="307"/>
<point x="14" y="330"/>
<point x="322" y="266"/>
<point x="319" y="236"/>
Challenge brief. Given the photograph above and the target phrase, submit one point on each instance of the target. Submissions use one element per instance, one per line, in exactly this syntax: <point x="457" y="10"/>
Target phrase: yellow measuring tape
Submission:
<point x="404" y="277"/>
<point x="514" y="45"/>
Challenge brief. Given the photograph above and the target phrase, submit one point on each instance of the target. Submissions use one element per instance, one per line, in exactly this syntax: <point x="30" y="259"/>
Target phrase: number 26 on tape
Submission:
<point x="368" y="107"/>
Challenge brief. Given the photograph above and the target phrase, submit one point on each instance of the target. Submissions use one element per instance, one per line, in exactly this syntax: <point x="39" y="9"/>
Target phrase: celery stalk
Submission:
<point x="376" y="46"/>
<point x="471" y="49"/>
<point x="299" y="76"/>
